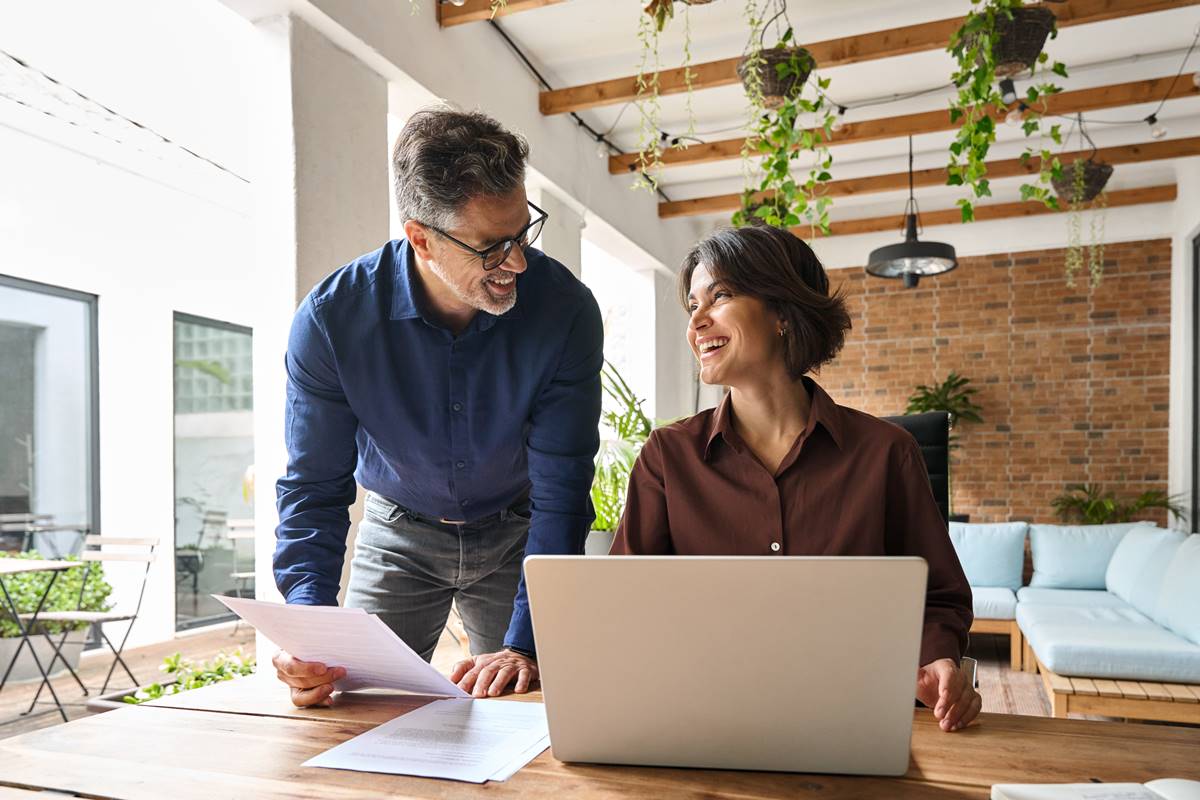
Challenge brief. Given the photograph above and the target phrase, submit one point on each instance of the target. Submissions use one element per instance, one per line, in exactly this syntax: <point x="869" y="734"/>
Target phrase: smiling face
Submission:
<point x="735" y="337"/>
<point x="459" y="277"/>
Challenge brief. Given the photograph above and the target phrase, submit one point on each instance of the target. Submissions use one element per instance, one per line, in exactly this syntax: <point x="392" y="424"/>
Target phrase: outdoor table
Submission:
<point x="16" y="566"/>
<point x="243" y="738"/>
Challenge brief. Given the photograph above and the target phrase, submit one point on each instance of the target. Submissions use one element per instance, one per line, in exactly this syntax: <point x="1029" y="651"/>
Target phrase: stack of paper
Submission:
<point x="457" y="738"/>
<point x="1162" y="789"/>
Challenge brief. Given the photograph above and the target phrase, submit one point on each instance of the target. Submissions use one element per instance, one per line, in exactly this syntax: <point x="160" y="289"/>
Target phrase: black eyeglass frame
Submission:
<point x="507" y="244"/>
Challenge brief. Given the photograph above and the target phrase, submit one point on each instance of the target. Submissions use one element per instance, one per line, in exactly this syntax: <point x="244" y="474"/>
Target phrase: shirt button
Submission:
<point x="463" y="503"/>
<point x="457" y="406"/>
<point x="774" y="547"/>
<point x="460" y="464"/>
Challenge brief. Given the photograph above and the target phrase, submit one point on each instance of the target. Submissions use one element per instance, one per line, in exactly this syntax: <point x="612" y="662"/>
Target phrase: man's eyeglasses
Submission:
<point x="498" y="253"/>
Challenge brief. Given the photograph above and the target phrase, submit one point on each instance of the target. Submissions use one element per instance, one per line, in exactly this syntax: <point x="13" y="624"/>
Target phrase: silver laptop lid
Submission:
<point x="764" y="663"/>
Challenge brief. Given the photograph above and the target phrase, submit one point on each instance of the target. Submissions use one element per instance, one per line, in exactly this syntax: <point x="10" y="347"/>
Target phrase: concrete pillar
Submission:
<point x="321" y="187"/>
<point x="561" y="236"/>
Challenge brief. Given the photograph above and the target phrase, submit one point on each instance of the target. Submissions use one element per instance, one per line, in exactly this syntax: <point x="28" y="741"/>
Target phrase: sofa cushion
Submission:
<point x="1089" y="598"/>
<point x="1139" y="564"/>
<point x="1074" y="556"/>
<point x="1179" y="601"/>
<point x="991" y="554"/>
<point x="993" y="602"/>
<point x="1118" y="643"/>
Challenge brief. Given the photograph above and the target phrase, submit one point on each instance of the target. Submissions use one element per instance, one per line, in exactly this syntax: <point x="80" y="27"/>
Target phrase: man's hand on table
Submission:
<point x="311" y="682"/>
<point x="487" y="675"/>
<point x="946" y="689"/>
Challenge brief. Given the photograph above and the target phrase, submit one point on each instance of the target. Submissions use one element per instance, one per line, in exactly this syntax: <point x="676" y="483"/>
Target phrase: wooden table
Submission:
<point x="244" y="739"/>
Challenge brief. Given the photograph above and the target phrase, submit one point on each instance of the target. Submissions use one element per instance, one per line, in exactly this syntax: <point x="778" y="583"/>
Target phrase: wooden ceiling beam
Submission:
<point x="481" y="10"/>
<point x="1008" y="168"/>
<point x="832" y="53"/>
<point x="951" y="216"/>
<point x="1078" y="101"/>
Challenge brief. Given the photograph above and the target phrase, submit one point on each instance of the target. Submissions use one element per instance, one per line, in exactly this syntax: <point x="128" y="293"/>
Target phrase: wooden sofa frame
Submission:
<point x="1016" y="639"/>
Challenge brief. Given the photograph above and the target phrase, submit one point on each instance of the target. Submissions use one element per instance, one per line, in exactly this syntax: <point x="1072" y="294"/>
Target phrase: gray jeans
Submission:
<point x="409" y="570"/>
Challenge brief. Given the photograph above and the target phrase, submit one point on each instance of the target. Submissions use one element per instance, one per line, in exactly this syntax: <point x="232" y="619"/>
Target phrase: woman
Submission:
<point x="779" y="468"/>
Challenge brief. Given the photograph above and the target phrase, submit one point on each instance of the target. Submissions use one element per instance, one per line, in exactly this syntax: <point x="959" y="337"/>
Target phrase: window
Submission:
<point x="214" y="464"/>
<point x="49" y="467"/>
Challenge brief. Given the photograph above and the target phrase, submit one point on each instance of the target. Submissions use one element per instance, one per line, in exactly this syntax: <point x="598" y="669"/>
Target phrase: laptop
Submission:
<point x="758" y="663"/>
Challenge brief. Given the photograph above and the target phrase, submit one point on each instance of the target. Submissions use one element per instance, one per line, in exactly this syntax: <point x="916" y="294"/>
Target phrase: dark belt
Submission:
<point x="496" y="517"/>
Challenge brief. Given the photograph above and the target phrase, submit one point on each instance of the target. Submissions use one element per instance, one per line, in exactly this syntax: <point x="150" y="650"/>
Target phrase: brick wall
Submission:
<point x="1073" y="382"/>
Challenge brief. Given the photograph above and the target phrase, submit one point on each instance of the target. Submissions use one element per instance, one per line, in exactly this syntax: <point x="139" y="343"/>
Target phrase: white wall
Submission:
<point x="1186" y="223"/>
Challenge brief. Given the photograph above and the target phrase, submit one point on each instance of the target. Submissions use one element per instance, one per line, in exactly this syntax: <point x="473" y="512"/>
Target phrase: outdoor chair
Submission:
<point x="189" y="560"/>
<point x="14" y="527"/>
<point x="240" y="530"/>
<point x="133" y="549"/>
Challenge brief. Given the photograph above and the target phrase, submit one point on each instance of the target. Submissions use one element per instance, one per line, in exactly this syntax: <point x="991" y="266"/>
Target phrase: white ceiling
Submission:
<point x="584" y="41"/>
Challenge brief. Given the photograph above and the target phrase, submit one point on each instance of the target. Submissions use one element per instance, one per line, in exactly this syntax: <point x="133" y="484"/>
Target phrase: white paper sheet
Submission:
<point x="463" y="740"/>
<point x="1162" y="789"/>
<point x="371" y="653"/>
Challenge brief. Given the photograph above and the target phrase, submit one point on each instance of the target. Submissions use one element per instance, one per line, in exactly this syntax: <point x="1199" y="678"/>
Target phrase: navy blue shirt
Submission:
<point x="453" y="427"/>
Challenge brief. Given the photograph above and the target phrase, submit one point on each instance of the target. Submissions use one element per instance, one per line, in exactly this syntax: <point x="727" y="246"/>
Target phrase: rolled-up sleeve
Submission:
<point x="314" y="495"/>
<point x="561" y="445"/>
<point x="644" y="528"/>
<point x="914" y="526"/>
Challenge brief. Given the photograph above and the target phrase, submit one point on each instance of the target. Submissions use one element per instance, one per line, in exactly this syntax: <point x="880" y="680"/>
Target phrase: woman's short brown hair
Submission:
<point x="782" y="271"/>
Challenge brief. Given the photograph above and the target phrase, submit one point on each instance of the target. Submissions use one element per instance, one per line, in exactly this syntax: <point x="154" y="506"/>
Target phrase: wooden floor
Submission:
<point x="1004" y="691"/>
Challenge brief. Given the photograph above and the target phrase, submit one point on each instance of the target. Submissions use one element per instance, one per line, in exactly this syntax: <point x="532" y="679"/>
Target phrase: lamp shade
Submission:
<point x="911" y="259"/>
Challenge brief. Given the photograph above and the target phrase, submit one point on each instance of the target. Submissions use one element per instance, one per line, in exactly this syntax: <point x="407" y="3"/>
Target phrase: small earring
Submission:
<point x="782" y="332"/>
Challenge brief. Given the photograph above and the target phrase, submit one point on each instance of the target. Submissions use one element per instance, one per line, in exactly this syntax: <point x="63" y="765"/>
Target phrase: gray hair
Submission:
<point x="445" y="157"/>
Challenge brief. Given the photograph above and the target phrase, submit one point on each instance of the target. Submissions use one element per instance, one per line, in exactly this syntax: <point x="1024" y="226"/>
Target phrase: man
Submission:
<point x="456" y="375"/>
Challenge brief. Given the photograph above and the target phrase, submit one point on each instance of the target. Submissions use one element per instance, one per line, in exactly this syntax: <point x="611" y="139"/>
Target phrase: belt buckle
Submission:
<point x="445" y="521"/>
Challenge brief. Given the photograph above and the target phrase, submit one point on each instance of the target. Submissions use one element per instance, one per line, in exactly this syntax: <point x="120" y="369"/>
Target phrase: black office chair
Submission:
<point x="932" y="432"/>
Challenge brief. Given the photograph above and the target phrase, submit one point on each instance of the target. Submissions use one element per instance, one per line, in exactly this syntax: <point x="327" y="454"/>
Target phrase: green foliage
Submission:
<point x="951" y="395"/>
<point x="779" y="139"/>
<point x="650" y="141"/>
<point x="188" y="674"/>
<point x="979" y="102"/>
<point x="26" y="589"/>
<point x="614" y="461"/>
<point x="1074" y="258"/>
<point x="1089" y="504"/>
<point x="213" y="369"/>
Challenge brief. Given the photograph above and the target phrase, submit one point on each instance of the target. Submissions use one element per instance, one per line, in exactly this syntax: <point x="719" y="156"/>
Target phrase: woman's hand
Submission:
<point x="944" y="687"/>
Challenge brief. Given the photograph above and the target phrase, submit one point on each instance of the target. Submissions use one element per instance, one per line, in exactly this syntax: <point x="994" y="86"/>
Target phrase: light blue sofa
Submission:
<point x="993" y="557"/>
<point x="1114" y="604"/>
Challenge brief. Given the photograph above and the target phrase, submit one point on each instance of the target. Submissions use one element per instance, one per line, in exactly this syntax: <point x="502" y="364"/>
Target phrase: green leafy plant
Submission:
<point x="213" y="369"/>
<point x="27" y="588"/>
<point x="630" y="428"/>
<point x="651" y="141"/>
<point x="784" y="128"/>
<point x="979" y="103"/>
<point x="187" y="674"/>
<point x="952" y="395"/>
<point x="1089" y="504"/>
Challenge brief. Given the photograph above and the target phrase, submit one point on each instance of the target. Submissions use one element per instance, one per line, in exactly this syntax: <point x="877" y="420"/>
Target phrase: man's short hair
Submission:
<point x="445" y="157"/>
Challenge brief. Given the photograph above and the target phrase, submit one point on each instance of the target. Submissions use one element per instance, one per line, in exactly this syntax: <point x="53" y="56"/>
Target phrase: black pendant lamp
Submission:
<point x="912" y="259"/>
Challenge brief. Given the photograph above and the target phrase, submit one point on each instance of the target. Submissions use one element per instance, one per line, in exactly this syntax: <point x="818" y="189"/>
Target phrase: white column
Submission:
<point x="561" y="236"/>
<point x="321" y="184"/>
<point x="1180" y="430"/>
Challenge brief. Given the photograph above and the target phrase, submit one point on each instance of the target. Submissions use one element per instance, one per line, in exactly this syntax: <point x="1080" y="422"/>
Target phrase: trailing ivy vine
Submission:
<point x="979" y="103"/>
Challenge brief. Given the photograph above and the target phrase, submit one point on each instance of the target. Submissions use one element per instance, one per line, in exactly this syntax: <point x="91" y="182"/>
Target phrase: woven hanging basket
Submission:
<point x="1019" y="41"/>
<point x="1095" y="178"/>
<point x="776" y="90"/>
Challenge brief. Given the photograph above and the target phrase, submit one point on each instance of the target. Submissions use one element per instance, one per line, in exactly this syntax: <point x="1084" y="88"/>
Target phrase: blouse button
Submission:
<point x="774" y="547"/>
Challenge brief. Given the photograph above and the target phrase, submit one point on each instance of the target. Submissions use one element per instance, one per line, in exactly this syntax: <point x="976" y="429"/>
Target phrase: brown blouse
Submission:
<point x="851" y="485"/>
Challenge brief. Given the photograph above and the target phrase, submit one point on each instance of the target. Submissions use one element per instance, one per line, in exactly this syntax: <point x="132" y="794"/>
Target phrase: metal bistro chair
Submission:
<point x="23" y="526"/>
<point x="240" y="530"/>
<point x="137" y="550"/>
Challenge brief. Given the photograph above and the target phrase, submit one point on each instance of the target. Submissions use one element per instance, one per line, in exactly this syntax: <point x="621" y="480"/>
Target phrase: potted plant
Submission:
<point x="651" y="141"/>
<point x="1081" y="185"/>
<point x="774" y="79"/>
<point x="26" y="589"/>
<point x="629" y="427"/>
<point x="953" y="396"/>
<point x="997" y="40"/>
<point x="1089" y="504"/>
<point x="183" y="674"/>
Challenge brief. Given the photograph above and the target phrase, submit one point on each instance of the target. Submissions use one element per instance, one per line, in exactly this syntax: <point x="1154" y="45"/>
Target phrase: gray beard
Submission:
<point x="476" y="295"/>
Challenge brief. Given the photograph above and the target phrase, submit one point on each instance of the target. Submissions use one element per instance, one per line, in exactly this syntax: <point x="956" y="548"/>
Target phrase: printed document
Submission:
<point x="1161" y="789"/>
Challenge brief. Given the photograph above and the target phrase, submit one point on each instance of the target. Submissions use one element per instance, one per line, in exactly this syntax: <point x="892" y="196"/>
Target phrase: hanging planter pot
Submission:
<point x="777" y="88"/>
<point x="1017" y="42"/>
<point x="1082" y="181"/>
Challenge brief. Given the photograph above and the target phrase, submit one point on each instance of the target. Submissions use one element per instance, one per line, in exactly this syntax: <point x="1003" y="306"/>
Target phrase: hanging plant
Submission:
<point x="1080" y="186"/>
<point x="999" y="39"/>
<point x="651" y="140"/>
<point x="774" y="79"/>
